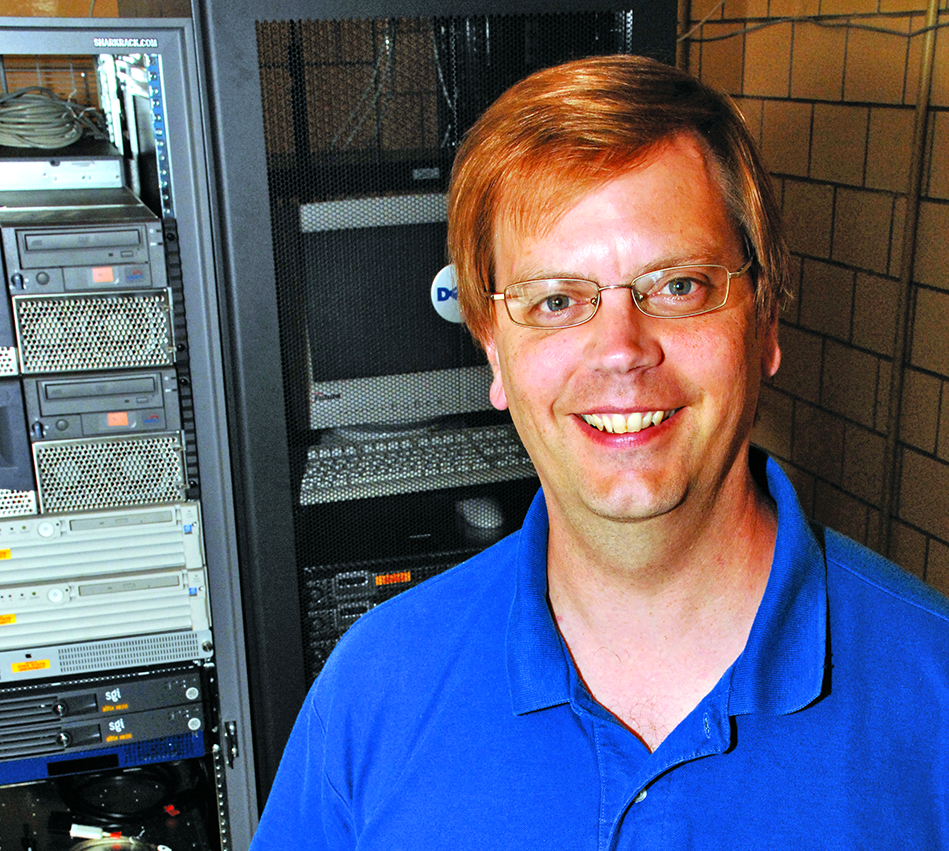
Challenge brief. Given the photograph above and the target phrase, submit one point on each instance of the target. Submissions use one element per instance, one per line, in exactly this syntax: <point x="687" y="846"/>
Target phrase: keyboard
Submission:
<point x="412" y="463"/>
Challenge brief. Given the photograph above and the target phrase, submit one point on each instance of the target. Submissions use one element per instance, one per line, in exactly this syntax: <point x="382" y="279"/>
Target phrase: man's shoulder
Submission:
<point x="890" y="586"/>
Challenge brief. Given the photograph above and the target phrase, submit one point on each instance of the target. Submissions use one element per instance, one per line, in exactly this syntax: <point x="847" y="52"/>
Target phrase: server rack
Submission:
<point x="142" y="668"/>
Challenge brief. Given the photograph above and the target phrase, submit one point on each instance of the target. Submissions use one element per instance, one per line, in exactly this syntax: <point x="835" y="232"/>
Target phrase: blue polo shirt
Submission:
<point x="452" y="717"/>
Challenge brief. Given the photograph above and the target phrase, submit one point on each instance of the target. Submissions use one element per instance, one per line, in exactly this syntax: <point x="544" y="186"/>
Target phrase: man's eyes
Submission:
<point x="678" y="286"/>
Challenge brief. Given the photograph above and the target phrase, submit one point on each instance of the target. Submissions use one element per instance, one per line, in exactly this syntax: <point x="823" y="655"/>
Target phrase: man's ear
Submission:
<point x="497" y="395"/>
<point x="770" y="350"/>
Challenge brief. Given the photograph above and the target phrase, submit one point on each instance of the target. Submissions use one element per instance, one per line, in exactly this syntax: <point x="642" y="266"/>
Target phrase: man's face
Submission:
<point x="702" y="372"/>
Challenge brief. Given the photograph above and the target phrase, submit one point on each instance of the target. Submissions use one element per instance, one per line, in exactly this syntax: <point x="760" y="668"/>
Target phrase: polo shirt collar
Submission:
<point x="782" y="667"/>
<point x="537" y="662"/>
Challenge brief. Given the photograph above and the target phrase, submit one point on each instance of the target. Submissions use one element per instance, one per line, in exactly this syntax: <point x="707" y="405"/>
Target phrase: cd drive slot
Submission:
<point x="68" y="252"/>
<point x="59" y="390"/>
<point x="82" y="239"/>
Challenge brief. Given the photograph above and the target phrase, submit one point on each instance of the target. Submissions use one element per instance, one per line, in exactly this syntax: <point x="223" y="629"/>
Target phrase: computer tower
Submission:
<point x="334" y="126"/>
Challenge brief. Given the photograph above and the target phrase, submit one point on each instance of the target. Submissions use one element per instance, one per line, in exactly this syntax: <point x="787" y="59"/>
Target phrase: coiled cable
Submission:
<point x="36" y="117"/>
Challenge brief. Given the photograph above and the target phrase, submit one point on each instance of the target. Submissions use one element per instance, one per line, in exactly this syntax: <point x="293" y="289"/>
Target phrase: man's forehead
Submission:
<point x="531" y="217"/>
<point x="529" y="208"/>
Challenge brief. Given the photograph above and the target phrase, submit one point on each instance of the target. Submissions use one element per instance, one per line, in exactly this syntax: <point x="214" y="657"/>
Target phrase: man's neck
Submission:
<point x="655" y="611"/>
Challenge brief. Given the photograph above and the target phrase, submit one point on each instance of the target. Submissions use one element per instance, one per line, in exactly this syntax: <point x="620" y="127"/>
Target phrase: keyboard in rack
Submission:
<point x="413" y="463"/>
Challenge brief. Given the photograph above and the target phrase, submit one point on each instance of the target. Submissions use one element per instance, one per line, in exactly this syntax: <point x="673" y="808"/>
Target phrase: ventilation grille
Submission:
<point x="109" y="473"/>
<point x="93" y="332"/>
<point x="8" y="361"/>
<point x="130" y="652"/>
<point x="17" y="503"/>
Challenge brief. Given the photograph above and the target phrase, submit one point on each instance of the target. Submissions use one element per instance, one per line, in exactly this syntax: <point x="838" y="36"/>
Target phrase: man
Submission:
<point x="666" y="655"/>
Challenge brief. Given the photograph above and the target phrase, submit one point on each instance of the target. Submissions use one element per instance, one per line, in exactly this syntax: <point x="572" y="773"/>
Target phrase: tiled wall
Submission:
<point x="833" y="108"/>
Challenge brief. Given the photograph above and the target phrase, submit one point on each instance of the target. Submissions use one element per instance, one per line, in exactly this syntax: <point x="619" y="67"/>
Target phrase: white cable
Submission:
<point x="34" y="117"/>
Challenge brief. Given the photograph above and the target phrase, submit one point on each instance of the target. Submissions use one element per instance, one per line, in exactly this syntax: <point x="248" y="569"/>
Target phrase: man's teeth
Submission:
<point x="626" y="423"/>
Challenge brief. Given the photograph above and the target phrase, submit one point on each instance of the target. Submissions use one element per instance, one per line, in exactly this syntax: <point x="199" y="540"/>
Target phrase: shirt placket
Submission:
<point x="637" y="799"/>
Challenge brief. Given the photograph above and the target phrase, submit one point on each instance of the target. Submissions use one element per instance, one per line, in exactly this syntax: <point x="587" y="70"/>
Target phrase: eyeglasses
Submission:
<point x="666" y="293"/>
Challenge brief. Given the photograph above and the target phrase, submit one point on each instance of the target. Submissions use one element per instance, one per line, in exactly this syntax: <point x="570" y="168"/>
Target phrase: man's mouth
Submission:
<point x="627" y="423"/>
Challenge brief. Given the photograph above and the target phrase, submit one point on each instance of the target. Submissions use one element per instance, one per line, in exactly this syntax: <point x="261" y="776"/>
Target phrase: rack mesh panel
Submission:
<point x="362" y="120"/>
<point x="77" y="475"/>
<point x="93" y="332"/>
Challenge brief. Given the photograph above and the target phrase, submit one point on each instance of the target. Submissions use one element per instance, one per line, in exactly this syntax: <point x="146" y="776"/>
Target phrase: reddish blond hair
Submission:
<point x="565" y="131"/>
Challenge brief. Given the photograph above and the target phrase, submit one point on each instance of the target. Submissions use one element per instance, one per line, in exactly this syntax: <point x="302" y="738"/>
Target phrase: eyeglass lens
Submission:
<point x="559" y="303"/>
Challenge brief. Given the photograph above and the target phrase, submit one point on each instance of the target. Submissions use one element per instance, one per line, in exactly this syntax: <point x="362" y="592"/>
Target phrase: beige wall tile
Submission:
<point x="924" y="493"/>
<point x="839" y="143"/>
<point x="939" y="96"/>
<point x="889" y="148"/>
<point x="850" y="382"/>
<point x="808" y="213"/>
<point x="919" y="410"/>
<point x="792" y="308"/>
<point x="801" y="363"/>
<point x="930" y="344"/>
<point x="777" y="186"/>
<point x="884" y="391"/>
<point x="908" y="548"/>
<point x="937" y="566"/>
<point x="862" y="222"/>
<point x="902" y="5"/>
<point x="875" y="71"/>
<point x="803" y="485"/>
<point x="942" y="449"/>
<point x="818" y="444"/>
<point x="864" y="452"/>
<point x="774" y="422"/>
<point x="898" y="232"/>
<point x="817" y="62"/>
<point x="751" y="109"/>
<point x="874" y="313"/>
<point x="827" y="298"/>
<point x="846" y="7"/>
<point x="768" y="61"/>
<point x="722" y="60"/>
<point x="931" y="264"/>
<point x="873" y="528"/>
<point x="938" y="156"/>
<point x="786" y="136"/>
<point x="745" y="9"/>
<point x="841" y="511"/>
<point x="913" y="58"/>
<point x="787" y="8"/>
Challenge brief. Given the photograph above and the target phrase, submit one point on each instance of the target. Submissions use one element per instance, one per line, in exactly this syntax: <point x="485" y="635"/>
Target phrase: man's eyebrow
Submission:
<point x="693" y="257"/>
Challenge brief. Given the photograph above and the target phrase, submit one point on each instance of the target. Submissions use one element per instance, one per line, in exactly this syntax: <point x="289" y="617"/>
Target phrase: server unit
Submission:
<point x="116" y="525"/>
<point x="369" y="455"/>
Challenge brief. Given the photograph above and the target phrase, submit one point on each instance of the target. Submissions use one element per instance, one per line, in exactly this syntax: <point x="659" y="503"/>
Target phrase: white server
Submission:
<point x="102" y="590"/>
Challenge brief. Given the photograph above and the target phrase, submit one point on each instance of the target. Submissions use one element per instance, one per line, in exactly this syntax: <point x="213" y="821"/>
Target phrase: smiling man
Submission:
<point x="667" y="655"/>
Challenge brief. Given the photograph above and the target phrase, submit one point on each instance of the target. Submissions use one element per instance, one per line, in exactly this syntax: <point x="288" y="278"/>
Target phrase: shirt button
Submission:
<point x="640" y="797"/>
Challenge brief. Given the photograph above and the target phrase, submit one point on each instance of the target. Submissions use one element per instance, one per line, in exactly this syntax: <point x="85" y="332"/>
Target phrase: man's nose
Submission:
<point x="620" y="336"/>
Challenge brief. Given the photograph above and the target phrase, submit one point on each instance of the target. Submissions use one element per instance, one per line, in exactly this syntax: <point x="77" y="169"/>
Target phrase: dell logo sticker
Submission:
<point x="445" y="295"/>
